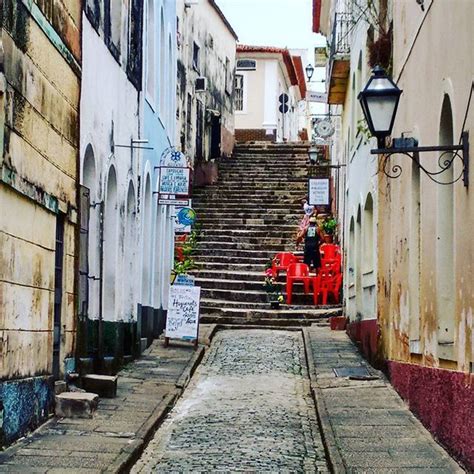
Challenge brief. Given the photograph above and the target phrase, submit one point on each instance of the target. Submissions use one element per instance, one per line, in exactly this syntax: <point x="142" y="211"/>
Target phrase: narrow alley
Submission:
<point x="248" y="408"/>
<point x="236" y="236"/>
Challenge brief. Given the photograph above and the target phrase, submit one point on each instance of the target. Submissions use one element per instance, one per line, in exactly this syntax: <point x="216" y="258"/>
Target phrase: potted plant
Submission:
<point x="329" y="228"/>
<point x="273" y="290"/>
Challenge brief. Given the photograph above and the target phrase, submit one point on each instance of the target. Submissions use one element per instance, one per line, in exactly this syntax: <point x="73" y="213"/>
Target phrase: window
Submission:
<point x="150" y="75"/>
<point x="247" y="64"/>
<point x="239" y="92"/>
<point x="196" y="57"/>
<point x="189" y="116"/>
<point x="228" y="77"/>
<point x="115" y="22"/>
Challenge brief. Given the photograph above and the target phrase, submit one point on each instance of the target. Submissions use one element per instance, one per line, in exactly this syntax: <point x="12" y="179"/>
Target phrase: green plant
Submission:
<point x="329" y="226"/>
<point x="183" y="262"/>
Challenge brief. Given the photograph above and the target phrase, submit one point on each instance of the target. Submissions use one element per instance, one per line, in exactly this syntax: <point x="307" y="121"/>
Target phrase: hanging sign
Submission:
<point x="185" y="279"/>
<point x="182" y="321"/>
<point x="318" y="191"/>
<point x="313" y="96"/>
<point x="181" y="219"/>
<point x="174" y="181"/>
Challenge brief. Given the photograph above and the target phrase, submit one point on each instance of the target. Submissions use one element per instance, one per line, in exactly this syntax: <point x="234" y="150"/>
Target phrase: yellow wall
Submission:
<point x="433" y="56"/>
<point x="38" y="178"/>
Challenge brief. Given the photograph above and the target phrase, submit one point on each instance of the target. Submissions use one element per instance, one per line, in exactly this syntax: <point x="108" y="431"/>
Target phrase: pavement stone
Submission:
<point x="248" y="408"/>
<point x="366" y="426"/>
<point x="113" y="438"/>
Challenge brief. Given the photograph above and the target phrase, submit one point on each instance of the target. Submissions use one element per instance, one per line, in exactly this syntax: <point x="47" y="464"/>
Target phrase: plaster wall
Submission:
<point x="430" y="344"/>
<point x="159" y="128"/>
<point x="202" y="24"/>
<point x="447" y="77"/>
<point x="110" y="117"/>
<point x="39" y="139"/>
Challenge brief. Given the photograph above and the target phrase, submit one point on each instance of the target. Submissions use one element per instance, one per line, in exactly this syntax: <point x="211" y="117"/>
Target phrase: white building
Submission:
<point x="268" y="81"/>
<point x="205" y="100"/>
<point x="109" y="176"/>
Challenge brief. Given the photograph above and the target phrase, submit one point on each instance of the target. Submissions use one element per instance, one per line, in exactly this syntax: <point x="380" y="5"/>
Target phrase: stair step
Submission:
<point x="76" y="404"/>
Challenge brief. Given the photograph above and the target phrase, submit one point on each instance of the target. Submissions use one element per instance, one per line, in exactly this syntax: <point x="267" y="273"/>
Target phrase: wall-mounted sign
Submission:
<point x="174" y="181"/>
<point x="320" y="56"/>
<point x="182" y="321"/>
<point x="185" y="280"/>
<point x="180" y="219"/>
<point x="171" y="201"/>
<point x="318" y="191"/>
<point x="313" y="96"/>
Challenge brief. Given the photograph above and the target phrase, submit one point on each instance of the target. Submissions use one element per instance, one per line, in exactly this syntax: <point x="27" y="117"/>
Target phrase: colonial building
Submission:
<point x="158" y="129"/>
<point x="206" y="65"/>
<point x="355" y="197"/>
<point x="423" y="332"/>
<point x="110" y="179"/>
<point x="40" y="79"/>
<point x="269" y="84"/>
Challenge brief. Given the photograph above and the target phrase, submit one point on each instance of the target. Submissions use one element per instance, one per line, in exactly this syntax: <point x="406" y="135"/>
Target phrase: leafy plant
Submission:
<point x="272" y="287"/>
<point x="329" y="226"/>
<point x="183" y="263"/>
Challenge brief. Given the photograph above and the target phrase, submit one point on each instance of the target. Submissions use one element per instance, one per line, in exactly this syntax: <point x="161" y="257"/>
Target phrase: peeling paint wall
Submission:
<point x="39" y="125"/>
<point x="426" y="331"/>
<point x="201" y="24"/>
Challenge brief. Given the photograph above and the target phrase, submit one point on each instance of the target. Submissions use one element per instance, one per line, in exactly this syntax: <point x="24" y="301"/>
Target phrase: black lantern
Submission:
<point x="379" y="102"/>
<point x="309" y="72"/>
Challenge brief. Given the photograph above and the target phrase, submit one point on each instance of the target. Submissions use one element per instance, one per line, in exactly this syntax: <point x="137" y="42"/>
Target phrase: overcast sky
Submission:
<point x="283" y="23"/>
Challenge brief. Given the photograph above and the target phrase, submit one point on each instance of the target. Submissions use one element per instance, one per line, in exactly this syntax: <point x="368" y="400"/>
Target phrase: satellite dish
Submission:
<point x="324" y="128"/>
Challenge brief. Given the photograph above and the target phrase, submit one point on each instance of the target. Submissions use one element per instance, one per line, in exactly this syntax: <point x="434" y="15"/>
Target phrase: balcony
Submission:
<point x="339" y="59"/>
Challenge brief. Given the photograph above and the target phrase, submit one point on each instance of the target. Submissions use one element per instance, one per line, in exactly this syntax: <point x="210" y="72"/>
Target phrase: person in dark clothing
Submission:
<point x="311" y="245"/>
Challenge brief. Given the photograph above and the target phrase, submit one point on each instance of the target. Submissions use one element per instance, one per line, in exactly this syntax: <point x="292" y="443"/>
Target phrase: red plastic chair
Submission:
<point x="297" y="272"/>
<point x="329" y="251"/>
<point x="325" y="284"/>
<point x="281" y="261"/>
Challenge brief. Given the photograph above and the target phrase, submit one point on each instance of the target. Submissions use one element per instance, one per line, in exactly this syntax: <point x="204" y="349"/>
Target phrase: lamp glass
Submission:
<point x="309" y="71"/>
<point x="313" y="154"/>
<point x="382" y="111"/>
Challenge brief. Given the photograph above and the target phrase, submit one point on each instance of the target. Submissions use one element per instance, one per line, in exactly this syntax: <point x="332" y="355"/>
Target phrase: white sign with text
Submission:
<point x="182" y="321"/>
<point x="318" y="191"/>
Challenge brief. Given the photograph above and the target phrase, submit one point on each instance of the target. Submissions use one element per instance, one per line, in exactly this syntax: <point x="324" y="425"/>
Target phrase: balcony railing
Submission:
<point x="341" y="33"/>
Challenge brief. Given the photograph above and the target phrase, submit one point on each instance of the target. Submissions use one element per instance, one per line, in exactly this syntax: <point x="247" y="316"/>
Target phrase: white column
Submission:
<point x="270" y="107"/>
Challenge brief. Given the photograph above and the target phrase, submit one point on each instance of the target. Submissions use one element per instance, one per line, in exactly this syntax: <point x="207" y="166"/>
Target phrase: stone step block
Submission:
<point x="104" y="385"/>
<point x="76" y="404"/>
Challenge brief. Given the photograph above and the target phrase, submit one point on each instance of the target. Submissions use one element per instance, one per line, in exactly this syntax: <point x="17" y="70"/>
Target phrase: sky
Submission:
<point x="282" y="23"/>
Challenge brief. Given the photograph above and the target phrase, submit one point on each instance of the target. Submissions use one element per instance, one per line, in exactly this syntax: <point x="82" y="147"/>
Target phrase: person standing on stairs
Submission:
<point x="308" y="212"/>
<point x="312" y="240"/>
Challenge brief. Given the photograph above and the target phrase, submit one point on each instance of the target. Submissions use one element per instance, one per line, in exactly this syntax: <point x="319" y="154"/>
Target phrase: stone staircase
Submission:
<point x="251" y="214"/>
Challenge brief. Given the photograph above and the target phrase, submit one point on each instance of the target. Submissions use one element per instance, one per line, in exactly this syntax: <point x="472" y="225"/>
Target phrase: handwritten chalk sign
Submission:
<point x="182" y="321"/>
<point x="318" y="191"/>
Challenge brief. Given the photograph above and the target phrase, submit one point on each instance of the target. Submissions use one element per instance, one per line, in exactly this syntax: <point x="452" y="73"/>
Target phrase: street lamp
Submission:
<point x="379" y="101"/>
<point x="309" y="72"/>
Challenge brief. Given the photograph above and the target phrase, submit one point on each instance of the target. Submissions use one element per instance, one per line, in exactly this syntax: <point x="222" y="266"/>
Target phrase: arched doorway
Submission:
<point x="445" y="288"/>
<point x="110" y="247"/>
<point x="129" y="279"/>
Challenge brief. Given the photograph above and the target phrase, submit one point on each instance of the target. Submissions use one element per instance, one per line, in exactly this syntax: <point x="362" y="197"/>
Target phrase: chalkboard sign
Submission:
<point x="182" y="321"/>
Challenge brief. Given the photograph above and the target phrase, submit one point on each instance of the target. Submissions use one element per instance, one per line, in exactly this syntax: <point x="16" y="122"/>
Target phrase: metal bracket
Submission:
<point x="448" y="155"/>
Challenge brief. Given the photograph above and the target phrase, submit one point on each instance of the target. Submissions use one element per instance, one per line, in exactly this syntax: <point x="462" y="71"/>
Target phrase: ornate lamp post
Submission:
<point x="379" y="101"/>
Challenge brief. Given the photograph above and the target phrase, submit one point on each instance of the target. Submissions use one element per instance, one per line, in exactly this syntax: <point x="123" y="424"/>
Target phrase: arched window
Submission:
<point x="147" y="231"/>
<point x="368" y="234"/>
<point x="445" y="290"/>
<point x="129" y="279"/>
<point x="116" y="22"/>
<point x="110" y="247"/>
<point x="163" y="87"/>
<point x="151" y="54"/>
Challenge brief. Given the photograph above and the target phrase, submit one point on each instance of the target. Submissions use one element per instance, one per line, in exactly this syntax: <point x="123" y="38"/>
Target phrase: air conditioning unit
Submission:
<point x="201" y="84"/>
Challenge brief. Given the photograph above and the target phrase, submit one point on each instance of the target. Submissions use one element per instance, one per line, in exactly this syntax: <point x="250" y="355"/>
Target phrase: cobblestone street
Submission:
<point x="249" y="407"/>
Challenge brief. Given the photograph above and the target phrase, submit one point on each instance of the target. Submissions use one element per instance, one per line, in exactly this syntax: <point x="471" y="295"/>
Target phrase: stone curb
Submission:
<point x="130" y="454"/>
<point x="333" y="455"/>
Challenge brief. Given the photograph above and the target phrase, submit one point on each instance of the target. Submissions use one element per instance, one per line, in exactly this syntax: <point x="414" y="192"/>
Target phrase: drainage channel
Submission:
<point x="248" y="407"/>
